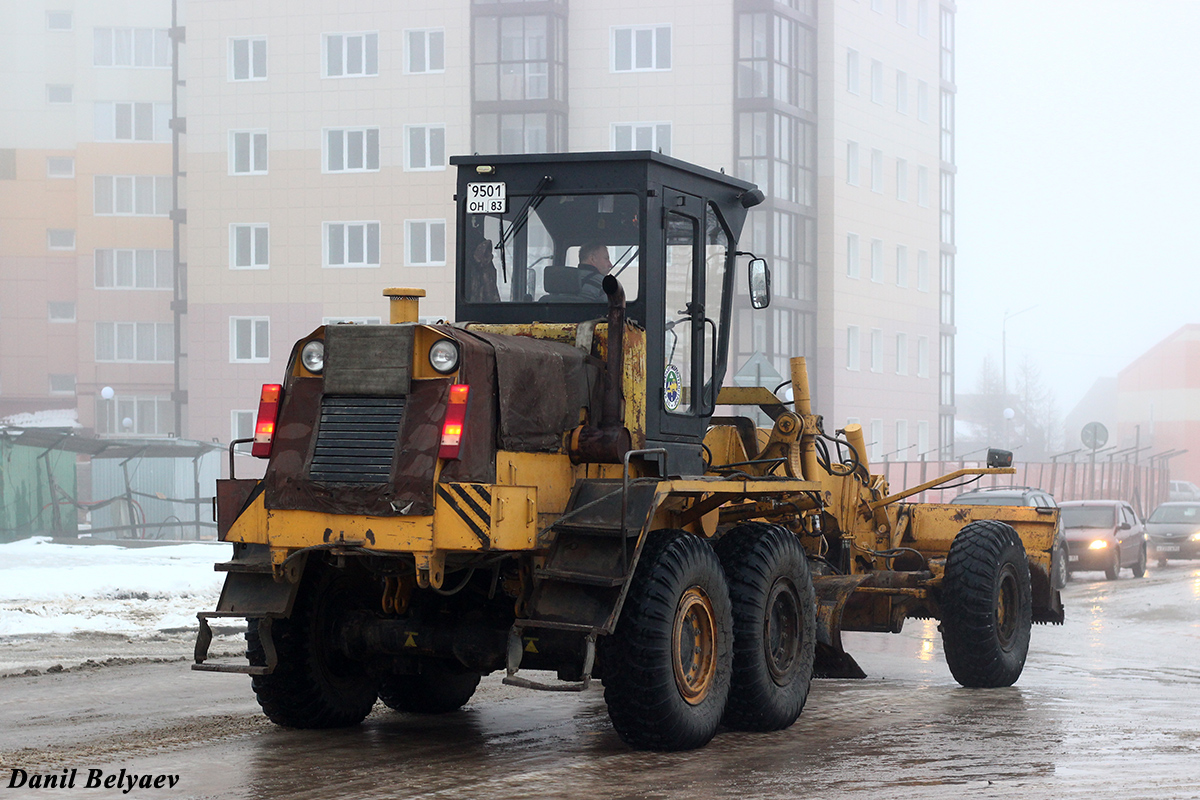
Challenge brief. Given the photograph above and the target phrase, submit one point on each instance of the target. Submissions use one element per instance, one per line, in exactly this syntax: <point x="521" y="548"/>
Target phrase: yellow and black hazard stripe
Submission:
<point x="473" y="504"/>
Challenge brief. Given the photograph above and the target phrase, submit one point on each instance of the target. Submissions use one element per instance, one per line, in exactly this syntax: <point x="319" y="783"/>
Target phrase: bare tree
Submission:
<point x="1036" y="423"/>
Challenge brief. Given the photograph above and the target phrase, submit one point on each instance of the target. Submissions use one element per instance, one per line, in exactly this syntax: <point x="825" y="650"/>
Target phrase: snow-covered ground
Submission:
<point x="51" y="594"/>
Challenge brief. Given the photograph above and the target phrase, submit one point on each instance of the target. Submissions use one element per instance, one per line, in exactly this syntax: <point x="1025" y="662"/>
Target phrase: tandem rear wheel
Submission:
<point x="987" y="605"/>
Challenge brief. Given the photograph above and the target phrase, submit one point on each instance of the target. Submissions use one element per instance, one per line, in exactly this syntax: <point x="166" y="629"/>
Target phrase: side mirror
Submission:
<point x="1125" y="526"/>
<point x="760" y="283"/>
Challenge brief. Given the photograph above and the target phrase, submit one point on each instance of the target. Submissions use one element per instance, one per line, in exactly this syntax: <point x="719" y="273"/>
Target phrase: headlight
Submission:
<point x="1099" y="544"/>
<point x="313" y="356"/>
<point x="443" y="356"/>
<point x="1196" y="536"/>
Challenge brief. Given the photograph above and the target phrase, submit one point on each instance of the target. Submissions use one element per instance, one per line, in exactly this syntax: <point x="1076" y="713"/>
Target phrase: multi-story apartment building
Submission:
<point x="87" y="268"/>
<point x="318" y="141"/>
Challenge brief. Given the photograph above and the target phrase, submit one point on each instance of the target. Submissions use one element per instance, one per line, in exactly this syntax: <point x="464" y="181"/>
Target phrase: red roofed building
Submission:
<point x="1158" y="401"/>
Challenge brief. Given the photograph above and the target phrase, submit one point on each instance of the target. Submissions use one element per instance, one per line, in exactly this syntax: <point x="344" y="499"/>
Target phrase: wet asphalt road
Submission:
<point x="1108" y="707"/>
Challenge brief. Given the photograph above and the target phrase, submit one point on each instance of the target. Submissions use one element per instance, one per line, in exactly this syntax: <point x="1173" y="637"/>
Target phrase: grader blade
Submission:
<point x="832" y="661"/>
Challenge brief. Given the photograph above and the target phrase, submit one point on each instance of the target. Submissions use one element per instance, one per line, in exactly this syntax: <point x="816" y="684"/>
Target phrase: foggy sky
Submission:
<point x="1078" y="158"/>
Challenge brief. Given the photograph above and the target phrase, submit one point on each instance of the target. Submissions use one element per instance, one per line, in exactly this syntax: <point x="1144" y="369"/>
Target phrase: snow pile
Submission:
<point x="50" y="418"/>
<point x="48" y="588"/>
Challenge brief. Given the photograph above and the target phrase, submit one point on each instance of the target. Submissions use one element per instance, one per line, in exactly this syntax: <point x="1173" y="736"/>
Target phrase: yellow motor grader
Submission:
<point x="558" y="482"/>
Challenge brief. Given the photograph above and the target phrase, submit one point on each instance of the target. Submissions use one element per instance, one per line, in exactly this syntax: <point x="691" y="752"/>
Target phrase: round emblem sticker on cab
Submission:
<point x="672" y="388"/>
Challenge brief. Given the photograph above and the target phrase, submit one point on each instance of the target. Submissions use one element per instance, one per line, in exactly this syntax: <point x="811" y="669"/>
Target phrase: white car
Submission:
<point x="1183" y="490"/>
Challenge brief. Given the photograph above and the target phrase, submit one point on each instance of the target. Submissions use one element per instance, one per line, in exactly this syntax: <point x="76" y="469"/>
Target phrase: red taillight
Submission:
<point x="456" y="417"/>
<point x="264" y="428"/>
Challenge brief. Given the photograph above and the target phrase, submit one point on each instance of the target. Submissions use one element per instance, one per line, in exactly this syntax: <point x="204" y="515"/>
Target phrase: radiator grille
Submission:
<point x="356" y="439"/>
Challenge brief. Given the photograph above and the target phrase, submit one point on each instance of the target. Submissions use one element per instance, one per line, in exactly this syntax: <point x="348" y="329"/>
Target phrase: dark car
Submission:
<point x="1173" y="531"/>
<point x="1024" y="496"/>
<point x="1104" y="535"/>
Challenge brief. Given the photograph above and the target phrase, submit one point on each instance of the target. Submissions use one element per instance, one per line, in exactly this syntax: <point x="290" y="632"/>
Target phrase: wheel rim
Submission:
<point x="781" y="631"/>
<point x="694" y="655"/>
<point x="1007" y="602"/>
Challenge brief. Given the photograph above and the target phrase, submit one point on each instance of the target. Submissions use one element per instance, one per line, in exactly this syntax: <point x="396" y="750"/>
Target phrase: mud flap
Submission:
<point x="833" y="592"/>
<point x="246" y="595"/>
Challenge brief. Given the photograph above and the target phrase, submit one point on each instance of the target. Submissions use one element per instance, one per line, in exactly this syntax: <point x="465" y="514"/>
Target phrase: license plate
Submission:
<point x="487" y="198"/>
<point x="1167" y="548"/>
<point x="1072" y="558"/>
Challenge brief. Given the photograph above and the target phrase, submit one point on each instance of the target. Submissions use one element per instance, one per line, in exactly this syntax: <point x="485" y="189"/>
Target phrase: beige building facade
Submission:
<point x="314" y="172"/>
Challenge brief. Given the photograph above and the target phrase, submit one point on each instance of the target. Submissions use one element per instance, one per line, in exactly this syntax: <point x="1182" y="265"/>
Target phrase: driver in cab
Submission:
<point x="594" y="264"/>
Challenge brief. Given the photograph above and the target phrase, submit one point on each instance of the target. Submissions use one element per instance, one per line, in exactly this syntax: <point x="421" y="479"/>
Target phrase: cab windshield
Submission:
<point x="553" y="249"/>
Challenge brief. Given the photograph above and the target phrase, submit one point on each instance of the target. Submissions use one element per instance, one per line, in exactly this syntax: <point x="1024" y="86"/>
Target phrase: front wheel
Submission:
<point x="987" y="605"/>
<point x="667" y="665"/>
<point x="1139" y="569"/>
<point x="1113" y="570"/>
<point x="774" y="626"/>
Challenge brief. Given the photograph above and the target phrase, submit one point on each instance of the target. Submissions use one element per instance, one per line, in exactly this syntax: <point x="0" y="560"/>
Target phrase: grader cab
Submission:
<point x="546" y="486"/>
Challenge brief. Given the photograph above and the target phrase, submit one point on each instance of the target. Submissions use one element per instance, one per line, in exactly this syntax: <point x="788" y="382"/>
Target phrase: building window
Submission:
<point x="426" y="147"/>
<point x="876" y="350"/>
<point x="902" y="180"/>
<point x="60" y="238"/>
<point x="901" y="92"/>
<point x="947" y="289"/>
<point x="247" y="152"/>
<point x="348" y="150"/>
<point x="249" y="340"/>
<point x="876" y="170"/>
<point x="852" y="257"/>
<point x="60" y="167"/>
<point x="131" y="195"/>
<point x="351" y="55"/>
<point x="352" y="320"/>
<point x="902" y="437"/>
<point x="131" y="47"/>
<point x="852" y="163"/>
<point x="902" y="16"/>
<point x="248" y="59"/>
<point x="923" y="187"/>
<point x="902" y="266"/>
<point x="852" y="71"/>
<point x="515" y="58"/>
<point x="923" y="31"/>
<point x="922" y="437"/>
<point x="60" y="311"/>
<point x="947" y="45"/>
<point x="248" y="247"/>
<point x="877" y="6"/>
<point x="141" y="342"/>
<point x="901" y="353"/>
<point x="241" y="426"/>
<point x="948" y="127"/>
<point x="642" y="136"/>
<point x="876" y="443"/>
<point x="59" y="21"/>
<point x="876" y="81"/>
<point x="946" y="370"/>
<point x="426" y="242"/>
<point x="922" y="271"/>
<point x="132" y="122"/>
<point x="641" y="48"/>
<point x="520" y="133"/>
<point x="922" y="356"/>
<point x="143" y="416"/>
<point x="134" y="269"/>
<point x="922" y="101"/>
<point x="352" y="244"/>
<point x="62" y="384"/>
<point x="877" y="260"/>
<point x="426" y="51"/>
<point x="59" y="93"/>
<point x="852" y="351"/>
<point x="947" y="207"/>
<point x="753" y="152"/>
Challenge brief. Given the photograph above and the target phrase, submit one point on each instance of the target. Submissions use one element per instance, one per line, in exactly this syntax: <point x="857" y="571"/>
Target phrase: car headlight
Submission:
<point x="443" y="356"/>
<point x="313" y="356"/>
<point x="1196" y="536"/>
<point x="1099" y="544"/>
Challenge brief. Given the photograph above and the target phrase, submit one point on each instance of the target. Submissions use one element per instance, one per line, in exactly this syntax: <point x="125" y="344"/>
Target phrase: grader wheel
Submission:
<point x="987" y="605"/>
<point x="774" y="626"/>
<point x="667" y="665"/>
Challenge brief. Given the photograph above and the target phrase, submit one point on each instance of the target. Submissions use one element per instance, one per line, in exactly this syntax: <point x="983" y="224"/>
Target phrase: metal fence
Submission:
<point x="1141" y="485"/>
